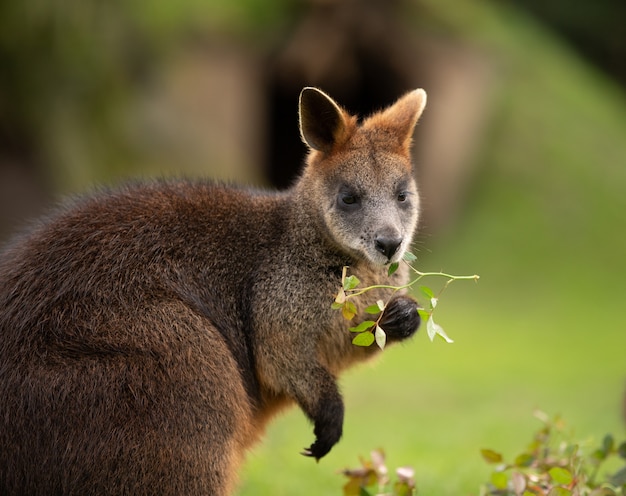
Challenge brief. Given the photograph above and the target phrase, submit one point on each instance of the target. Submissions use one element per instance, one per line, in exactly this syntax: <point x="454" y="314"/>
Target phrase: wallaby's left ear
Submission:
<point x="400" y="118"/>
<point x="323" y="123"/>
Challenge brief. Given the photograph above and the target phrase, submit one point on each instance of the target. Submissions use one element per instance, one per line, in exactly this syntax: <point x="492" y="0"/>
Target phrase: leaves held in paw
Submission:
<point x="364" y="339"/>
<point x="363" y="326"/>
<point x="340" y="299"/>
<point x="348" y="291"/>
<point x="378" y="307"/>
<point x="392" y="268"/>
<point x="348" y="310"/>
<point x="372" y="310"/>
<point x="381" y="337"/>
<point x="423" y="314"/>
<point x="409" y="257"/>
<point x="427" y="292"/>
<point x="351" y="282"/>
<point x="367" y="337"/>
<point x="433" y="329"/>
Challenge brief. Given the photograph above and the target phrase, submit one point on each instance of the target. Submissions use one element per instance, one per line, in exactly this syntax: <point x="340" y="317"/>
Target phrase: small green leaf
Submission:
<point x="351" y="282"/>
<point x="336" y="306"/>
<point x="560" y="475"/>
<point x="500" y="480"/>
<point x="409" y="257"/>
<point x="524" y="460"/>
<point x="433" y="329"/>
<point x="424" y="314"/>
<point x="363" y="326"/>
<point x="372" y="309"/>
<point x="363" y="339"/>
<point x="427" y="292"/>
<point x="392" y="268"/>
<point x="381" y="305"/>
<point x="381" y="337"/>
<point x="348" y="310"/>
<point x="491" y="456"/>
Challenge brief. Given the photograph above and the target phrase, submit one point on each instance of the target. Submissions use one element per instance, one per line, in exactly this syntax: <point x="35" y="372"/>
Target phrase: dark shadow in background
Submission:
<point x="345" y="49"/>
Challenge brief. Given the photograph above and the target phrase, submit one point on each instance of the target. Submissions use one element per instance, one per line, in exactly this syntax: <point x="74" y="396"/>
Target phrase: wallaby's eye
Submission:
<point x="348" y="199"/>
<point x="403" y="196"/>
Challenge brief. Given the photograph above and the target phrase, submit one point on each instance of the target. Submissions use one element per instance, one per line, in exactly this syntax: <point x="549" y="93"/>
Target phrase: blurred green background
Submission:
<point x="521" y="157"/>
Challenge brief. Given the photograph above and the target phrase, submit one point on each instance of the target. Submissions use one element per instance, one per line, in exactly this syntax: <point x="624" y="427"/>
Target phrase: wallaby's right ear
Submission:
<point x="323" y="123"/>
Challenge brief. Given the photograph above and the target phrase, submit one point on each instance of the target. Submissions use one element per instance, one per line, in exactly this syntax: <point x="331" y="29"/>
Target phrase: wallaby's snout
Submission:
<point x="387" y="244"/>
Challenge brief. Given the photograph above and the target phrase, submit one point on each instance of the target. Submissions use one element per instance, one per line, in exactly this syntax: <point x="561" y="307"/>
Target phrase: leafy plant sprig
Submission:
<point x="372" y="478"/>
<point x="370" y="331"/>
<point x="552" y="466"/>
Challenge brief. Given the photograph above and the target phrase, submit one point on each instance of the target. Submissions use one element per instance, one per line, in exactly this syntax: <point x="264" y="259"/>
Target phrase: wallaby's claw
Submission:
<point x="317" y="450"/>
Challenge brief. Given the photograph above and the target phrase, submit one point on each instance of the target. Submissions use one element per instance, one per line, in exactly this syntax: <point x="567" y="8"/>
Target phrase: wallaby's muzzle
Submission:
<point x="387" y="245"/>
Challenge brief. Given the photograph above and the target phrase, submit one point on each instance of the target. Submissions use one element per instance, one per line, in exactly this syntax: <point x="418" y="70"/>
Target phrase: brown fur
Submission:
<point x="148" y="334"/>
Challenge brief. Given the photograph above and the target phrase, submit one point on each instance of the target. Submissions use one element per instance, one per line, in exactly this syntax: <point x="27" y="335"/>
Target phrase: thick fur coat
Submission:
<point x="148" y="333"/>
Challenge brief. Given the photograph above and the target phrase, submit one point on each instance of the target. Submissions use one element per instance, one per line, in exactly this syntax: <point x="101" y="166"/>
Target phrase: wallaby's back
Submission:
<point x="147" y="334"/>
<point x="112" y="359"/>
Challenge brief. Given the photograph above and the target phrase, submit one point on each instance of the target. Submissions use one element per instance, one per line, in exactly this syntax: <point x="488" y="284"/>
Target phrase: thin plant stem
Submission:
<point x="450" y="277"/>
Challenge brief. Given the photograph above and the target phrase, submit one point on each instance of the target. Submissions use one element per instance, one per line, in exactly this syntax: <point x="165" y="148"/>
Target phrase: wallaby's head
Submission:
<point x="359" y="176"/>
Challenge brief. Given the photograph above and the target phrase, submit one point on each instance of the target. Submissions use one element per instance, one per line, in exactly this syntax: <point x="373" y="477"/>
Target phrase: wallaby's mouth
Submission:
<point x="381" y="259"/>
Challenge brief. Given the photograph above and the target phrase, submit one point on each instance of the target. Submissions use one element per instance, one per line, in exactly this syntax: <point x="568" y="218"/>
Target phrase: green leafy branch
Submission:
<point x="370" y="331"/>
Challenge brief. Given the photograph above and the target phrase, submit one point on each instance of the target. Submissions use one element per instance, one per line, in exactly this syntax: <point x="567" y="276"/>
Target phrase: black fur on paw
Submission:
<point x="328" y="430"/>
<point x="400" y="319"/>
<point x="318" y="449"/>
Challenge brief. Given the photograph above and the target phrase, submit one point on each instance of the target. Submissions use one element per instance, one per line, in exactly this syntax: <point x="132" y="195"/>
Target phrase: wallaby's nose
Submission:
<point x="387" y="245"/>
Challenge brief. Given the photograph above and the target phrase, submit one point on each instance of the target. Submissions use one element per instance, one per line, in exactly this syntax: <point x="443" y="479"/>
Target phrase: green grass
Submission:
<point x="433" y="405"/>
<point x="545" y="326"/>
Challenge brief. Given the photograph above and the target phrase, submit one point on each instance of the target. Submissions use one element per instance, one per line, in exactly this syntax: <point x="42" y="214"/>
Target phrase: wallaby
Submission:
<point x="148" y="333"/>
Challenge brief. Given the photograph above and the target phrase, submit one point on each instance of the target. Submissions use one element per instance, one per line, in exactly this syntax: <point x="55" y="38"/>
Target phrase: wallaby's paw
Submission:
<point x="400" y="319"/>
<point x="316" y="450"/>
<point x="328" y="428"/>
<point x="321" y="446"/>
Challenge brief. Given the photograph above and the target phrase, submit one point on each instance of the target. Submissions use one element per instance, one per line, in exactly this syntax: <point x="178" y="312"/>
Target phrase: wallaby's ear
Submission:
<point x="399" y="119"/>
<point x="323" y="123"/>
